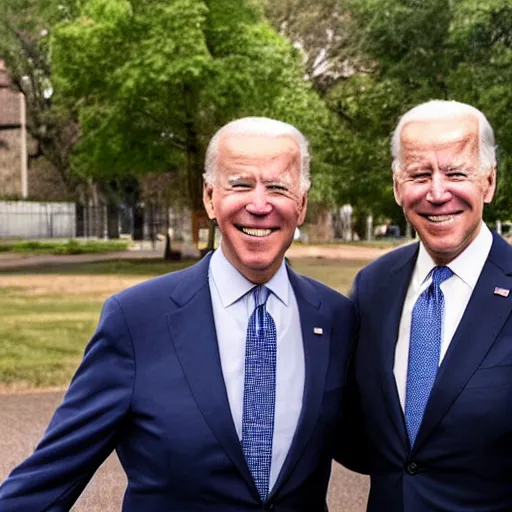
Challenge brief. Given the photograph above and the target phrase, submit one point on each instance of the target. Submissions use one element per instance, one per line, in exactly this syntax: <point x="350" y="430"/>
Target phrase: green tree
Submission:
<point x="345" y="74"/>
<point x="381" y="57"/>
<point x="482" y="35"/>
<point x="25" y="28"/>
<point x="447" y="50"/>
<point x="153" y="80"/>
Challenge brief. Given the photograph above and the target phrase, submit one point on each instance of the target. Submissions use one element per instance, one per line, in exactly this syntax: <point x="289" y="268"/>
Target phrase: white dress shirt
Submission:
<point x="232" y="306"/>
<point x="457" y="291"/>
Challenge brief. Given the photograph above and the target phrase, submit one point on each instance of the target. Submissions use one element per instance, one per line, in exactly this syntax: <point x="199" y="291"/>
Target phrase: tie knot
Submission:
<point x="441" y="274"/>
<point x="260" y="294"/>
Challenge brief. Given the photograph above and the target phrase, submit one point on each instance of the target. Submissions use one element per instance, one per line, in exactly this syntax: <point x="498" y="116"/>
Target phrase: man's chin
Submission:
<point x="443" y="254"/>
<point x="259" y="270"/>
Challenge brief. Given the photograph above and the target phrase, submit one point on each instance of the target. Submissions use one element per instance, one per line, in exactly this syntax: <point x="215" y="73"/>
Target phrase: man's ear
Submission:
<point x="208" y="200"/>
<point x="302" y="210"/>
<point x="490" y="184"/>
<point x="396" y="190"/>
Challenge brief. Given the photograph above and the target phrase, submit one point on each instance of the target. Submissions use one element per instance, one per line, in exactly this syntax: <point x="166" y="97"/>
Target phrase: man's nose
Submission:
<point x="439" y="190"/>
<point x="258" y="203"/>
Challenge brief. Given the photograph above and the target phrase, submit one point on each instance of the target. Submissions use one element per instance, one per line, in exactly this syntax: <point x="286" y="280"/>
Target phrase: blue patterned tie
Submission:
<point x="424" y="350"/>
<point x="259" y="392"/>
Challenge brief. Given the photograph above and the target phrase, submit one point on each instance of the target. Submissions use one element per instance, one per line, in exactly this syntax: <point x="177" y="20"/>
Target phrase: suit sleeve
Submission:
<point x="352" y="449"/>
<point x="84" y="428"/>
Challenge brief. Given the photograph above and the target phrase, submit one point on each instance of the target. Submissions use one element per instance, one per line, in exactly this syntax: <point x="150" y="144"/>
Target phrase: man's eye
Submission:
<point x="277" y="187"/>
<point x="421" y="176"/>
<point x="241" y="185"/>
<point x="457" y="174"/>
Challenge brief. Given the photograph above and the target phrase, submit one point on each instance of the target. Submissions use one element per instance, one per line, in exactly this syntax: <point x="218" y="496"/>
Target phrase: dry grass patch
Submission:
<point x="26" y="319"/>
<point x="97" y="286"/>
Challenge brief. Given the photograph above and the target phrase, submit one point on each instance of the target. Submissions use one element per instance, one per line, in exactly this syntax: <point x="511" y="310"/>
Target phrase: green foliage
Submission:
<point x="372" y="60"/>
<point x="152" y="81"/>
<point x="420" y="51"/>
<point x="149" y="82"/>
<point x="25" y="28"/>
<point x="482" y="37"/>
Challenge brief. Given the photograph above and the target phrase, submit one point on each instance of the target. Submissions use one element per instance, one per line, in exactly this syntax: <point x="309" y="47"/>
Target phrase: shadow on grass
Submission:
<point x="135" y="267"/>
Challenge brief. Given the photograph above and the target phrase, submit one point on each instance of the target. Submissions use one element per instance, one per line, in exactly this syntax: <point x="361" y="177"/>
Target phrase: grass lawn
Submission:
<point x="48" y="315"/>
<point x="64" y="247"/>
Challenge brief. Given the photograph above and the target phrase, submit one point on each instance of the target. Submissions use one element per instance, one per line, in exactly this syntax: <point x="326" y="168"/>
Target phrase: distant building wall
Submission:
<point x="43" y="181"/>
<point x="9" y="99"/>
<point x="10" y="137"/>
<point x="27" y="219"/>
<point x="10" y="166"/>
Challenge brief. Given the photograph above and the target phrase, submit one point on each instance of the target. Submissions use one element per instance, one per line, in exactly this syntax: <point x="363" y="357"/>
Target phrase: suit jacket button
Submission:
<point x="412" y="468"/>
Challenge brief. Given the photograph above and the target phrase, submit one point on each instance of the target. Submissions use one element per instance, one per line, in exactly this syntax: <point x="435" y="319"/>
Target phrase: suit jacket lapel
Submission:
<point x="390" y="306"/>
<point x="193" y="333"/>
<point x="316" y="356"/>
<point x="482" y="321"/>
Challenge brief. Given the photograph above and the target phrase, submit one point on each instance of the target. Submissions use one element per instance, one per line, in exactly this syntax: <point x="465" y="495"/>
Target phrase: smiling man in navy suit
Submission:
<point x="434" y="358"/>
<point x="219" y="386"/>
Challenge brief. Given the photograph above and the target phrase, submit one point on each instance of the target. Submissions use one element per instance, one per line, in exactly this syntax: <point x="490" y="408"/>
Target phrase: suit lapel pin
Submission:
<point x="501" y="291"/>
<point x="318" y="330"/>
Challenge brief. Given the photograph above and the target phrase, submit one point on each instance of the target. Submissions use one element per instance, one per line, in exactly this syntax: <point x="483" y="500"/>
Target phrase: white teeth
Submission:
<point x="440" y="218"/>
<point x="257" y="232"/>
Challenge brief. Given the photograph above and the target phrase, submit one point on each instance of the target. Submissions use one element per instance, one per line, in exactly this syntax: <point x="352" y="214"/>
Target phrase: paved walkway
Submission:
<point x="24" y="417"/>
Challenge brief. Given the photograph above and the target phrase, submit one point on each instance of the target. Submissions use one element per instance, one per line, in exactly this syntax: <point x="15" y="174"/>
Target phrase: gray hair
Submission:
<point x="435" y="110"/>
<point x="258" y="126"/>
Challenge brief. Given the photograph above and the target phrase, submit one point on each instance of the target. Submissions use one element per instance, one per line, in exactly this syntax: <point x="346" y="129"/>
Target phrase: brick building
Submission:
<point x="21" y="176"/>
<point x="13" y="161"/>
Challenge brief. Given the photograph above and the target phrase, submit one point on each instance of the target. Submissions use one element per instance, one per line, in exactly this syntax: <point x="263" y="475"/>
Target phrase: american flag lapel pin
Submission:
<point x="318" y="330"/>
<point x="501" y="291"/>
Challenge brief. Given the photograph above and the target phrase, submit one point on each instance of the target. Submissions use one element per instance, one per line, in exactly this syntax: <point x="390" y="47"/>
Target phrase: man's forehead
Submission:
<point x="257" y="146"/>
<point x="457" y="133"/>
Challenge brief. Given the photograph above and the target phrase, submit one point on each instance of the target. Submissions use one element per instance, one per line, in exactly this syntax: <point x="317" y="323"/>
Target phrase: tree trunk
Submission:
<point x="194" y="161"/>
<point x="112" y="221"/>
<point x="168" y="249"/>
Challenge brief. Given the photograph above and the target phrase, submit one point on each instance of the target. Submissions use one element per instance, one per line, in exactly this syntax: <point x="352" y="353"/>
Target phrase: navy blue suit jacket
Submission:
<point x="150" y="386"/>
<point x="462" y="459"/>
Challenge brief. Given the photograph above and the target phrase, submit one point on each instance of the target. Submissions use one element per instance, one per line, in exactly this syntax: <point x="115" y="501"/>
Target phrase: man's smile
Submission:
<point x="256" y="232"/>
<point x="445" y="218"/>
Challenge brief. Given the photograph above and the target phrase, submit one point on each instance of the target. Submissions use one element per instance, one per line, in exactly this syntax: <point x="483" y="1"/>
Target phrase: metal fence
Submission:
<point x="38" y="220"/>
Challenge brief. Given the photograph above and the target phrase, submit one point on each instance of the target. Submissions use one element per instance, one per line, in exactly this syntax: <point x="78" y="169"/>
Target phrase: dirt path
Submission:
<point x="337" y="252"/>
<point x="24" y="417"/>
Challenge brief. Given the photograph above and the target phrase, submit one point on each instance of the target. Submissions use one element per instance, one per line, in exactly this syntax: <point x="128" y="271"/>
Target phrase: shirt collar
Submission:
<point x="467" y="265"/>
<point x="223" y="272"/>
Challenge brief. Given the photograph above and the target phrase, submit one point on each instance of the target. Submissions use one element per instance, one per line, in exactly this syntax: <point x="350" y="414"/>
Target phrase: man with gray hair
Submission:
<point x="219" y="386"/>
<point x="433" y="365"/>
